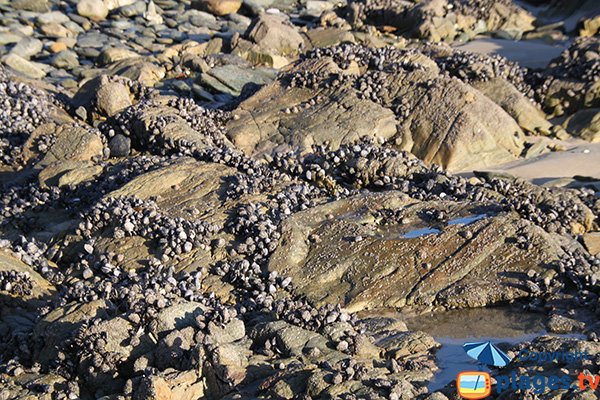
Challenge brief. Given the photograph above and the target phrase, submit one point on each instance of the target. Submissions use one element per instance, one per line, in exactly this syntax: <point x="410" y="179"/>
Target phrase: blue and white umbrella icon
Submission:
<point x="487" y="353"/>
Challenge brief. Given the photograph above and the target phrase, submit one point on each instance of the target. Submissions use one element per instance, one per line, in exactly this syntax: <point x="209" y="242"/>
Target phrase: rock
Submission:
<point x="134" y="9"/>
<point x="108" y="95"/>
<point x="65" y="59"/>
<point x="177" y="316"/>
<point x="52" y="331"/>
<point x="407" y="344"/>
<point x="452" y="122"/>
<point x="229" y="362"/>
<point x="38" y="6"/>
<point x="9" y="38"/>
<point x="92" y="9"/>
<point x="290" y="339"/>
<point x="232" y="79"/>
<point x="139" y="70"/>
<point x="561" y="324"/>
<point x="218" y="7"/>
<point x="23" y="66"/>
<point x="229" y="333"/>
<point x="68" y="173"/>
<point x="591" y="241"/>
<point x="356" y="280"/>
<point x="53" y="17"/>
<point x="119" y="146"/>
<point x="274" y="32"/>
<point x="153" y="388"/>
<point x="73" y="143"/>
<point x="41" y="289"/>
<point x="27" y="48"/>
<point x="55" y="30"/>
<point x="585" y="124"/>
<point x="152" y="16"/>
<point x="112" y="98"/>
<point x="342" y="118"/>
<point x="114" y="54"/>
<point x="530" y="118"/>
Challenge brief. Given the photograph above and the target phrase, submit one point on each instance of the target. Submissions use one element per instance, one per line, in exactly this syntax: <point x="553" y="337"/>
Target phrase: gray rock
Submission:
<point x="92" y="9"/>
<point x="132" y="10"/>
<point x="27" y="47"/>
<point x="119" y="146"/>
<point x="65" y="59"/>
<point x="232" y="79"/>
<point x="55" y="17"/>
<point x="23" y="66"/>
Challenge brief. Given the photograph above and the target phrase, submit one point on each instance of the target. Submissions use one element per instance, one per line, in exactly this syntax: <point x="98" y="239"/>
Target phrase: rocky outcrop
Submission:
<point x="441" y="120"/>
<point x="362" y="262"/>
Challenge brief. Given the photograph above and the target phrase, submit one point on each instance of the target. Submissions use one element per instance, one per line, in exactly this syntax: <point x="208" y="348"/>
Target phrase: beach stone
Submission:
<point x="92" y="9"/>
<point x="65" y="59"/>
<point x="231" y="79"/>
<point x="178" y="316"/>
<point x="38" y="6"/>
<point x="114" y="54"/>
<point x="55" y="17"/>
<point x="356" y="281"/>
<point x="55" y="30"/>
<point x="112" y="97"/>
<point x="591" y="241"/>
<point x="9" y="38"/>
<point x="27" y="48"/>
<point x="147" y="73"/>
<point x="119" y="146"/>
<point x="218" y="7"/>
<point x="274" y="32"/>
<point x="23" y="66"/>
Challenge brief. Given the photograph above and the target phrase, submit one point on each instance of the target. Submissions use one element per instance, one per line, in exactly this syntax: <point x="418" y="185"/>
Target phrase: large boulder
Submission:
<point x="404" y="101"/>
<point x="365" y="262"/>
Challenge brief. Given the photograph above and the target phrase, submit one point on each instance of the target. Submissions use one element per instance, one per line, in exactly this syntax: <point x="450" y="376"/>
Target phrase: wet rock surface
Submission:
<point x="225" y="199"/>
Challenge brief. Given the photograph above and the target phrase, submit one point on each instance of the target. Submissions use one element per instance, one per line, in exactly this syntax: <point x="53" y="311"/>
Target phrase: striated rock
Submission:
<point x="342" y="118"/>
<point x="51" y="333"/>
<point x="27" y="47"/>
<point x="73" y="143"/>
<point x="449" y="270"/>
<point x="38" y="6"/>
<point x="530" y="118"/>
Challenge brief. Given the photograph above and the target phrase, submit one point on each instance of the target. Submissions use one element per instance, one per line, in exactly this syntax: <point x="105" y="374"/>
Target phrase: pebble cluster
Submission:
<point x="16" y="283"/>
<point x="23" y="108"/>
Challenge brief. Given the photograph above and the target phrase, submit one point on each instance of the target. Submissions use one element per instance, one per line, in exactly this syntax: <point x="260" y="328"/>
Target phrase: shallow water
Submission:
<point x="420" y="232"/>
<point x="503" y="326"/>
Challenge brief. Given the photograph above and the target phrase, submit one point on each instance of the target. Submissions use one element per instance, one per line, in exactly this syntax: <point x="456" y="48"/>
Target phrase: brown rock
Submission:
<point x="218" y="7"/>
<point x="591" y="240"/>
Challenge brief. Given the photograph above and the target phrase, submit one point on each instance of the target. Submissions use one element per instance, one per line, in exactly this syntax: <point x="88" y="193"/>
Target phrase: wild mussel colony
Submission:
<point x="212" y="199"/>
